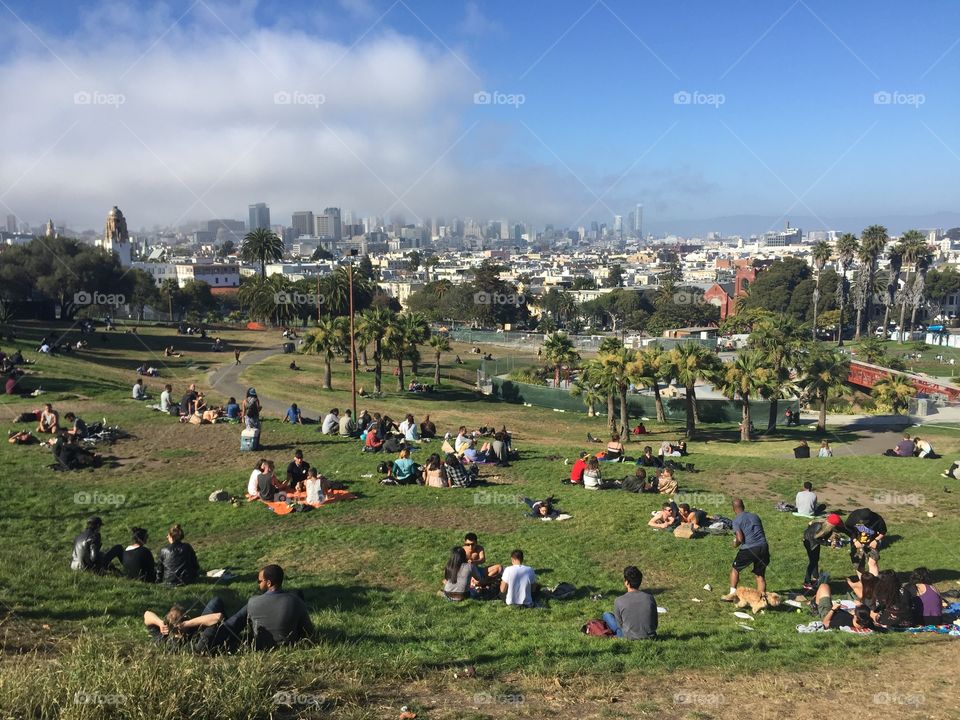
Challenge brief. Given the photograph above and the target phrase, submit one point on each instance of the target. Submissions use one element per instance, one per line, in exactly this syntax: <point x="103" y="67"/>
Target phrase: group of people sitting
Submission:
<point x="671" y="515"/>
<point x="802" y="450"/>
<point x="912" y="447"/>
<point x="66" y="438"/>
<point x="437" y="472"/>
<point x="148" y="371"/>
<point x="468" y="576"/>
<point x="300" y="479"/>
<point x="653" y="474"/>
<point x="175" y="564"/>
<point x="193" y="407"/>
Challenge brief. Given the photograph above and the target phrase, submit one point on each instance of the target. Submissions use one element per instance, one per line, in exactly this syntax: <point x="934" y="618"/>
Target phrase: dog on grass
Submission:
<point x="755" y="600"/>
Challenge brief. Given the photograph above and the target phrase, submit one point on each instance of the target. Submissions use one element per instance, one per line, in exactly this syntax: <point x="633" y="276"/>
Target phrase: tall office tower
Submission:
<point x="618" y="224"/>
<point x="302" y="223"/>
<point x="259" y="217"/>
<point x="328" y="224"/>
<point x="638" y="221"/>
<point x="11" y="223"/>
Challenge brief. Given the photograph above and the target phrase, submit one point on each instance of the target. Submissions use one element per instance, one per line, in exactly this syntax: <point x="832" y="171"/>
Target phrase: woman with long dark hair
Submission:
<point x="177" y="562"/>
<point x="457" y="575"/>
<point x="925" y="600"/>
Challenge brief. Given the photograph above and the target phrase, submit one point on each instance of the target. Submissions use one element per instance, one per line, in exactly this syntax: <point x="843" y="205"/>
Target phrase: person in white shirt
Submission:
<point x="922" y="448"/>
<point x="806" y="501"/>
<point x="409" y="429"/>
<point x="331" y="423"/>
<point x="517" y="581"/>
<point x="254" y="476"/>
<point x="825" y="450"/>
<point x="315" y="487"/>
<point x="165" y="399"/>
<point x="138" y="392"/>
<point x="462" y="441"/>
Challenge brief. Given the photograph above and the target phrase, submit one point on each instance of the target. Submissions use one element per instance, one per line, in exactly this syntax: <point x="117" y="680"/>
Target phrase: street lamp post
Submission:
<point x="353" y="345"/>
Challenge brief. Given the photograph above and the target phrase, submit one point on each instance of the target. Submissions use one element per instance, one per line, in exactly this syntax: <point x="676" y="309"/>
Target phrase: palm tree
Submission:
<point x="872" y="242"/>
<point x="558" y="350"/>
<point x="744" y="377"/>
<point x="847" y="247"/>
<point x="375" y="324"/>
<point x="261" y="245"/>
<point x="362" y="338"/>
<point x="329" y="339"/>
<point x="872" y="350"/>
<point x="440" y="344"/>
<point x="591" y="396"/>
<point x="170" y="289"/>
<point x="922" y="263"/>
<point x="895" y="391"/>
<point x="616" y="366"/>
<point x="402" y="336"/>
<point x="912" y="248"/>
<point x="821" y="256"/>
<point x="893" y="282"/>
<point x="648" y="368"/>
<point x="597" y="377"/>
<point x="780" y="341"/>
<point x="690" y="362"/>
<point x="825" y="373"/>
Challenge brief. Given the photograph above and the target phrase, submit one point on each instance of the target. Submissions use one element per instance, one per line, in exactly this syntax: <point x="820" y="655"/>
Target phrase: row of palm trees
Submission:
<point x="779" y="362"/>
<point x="393" y="336"/>
<point x="910" y="251"/>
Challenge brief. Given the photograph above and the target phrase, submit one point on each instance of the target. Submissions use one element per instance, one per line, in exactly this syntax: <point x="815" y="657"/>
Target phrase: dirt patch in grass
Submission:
<point x="478" y="519"/>
<point x="754" y="485"/>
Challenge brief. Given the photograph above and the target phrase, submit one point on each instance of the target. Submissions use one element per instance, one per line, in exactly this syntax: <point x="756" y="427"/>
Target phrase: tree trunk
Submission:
<point x="816" y="304"/>
<point x="400" y="386"/>
<point x="415" y="366"/>
<point x="745" y="427"/>
<point x="822" y="422"/>
<point x="774" y="413"/>
<point x="610" y="411"/>
<point x="624" y="414"/>
<point x="661" y="416"/>
<point x="696" y="410"/>
<point x="691" y="419"/>
<point x="378" y="368"/>
<point x="436" y="371"/>
<point x="327" y="375"/>
<point x="556" y="376"/>
<point x="856" y="335"/>
<point x="903" y="316"/>
<point x="840" y="320"/>
<point x="363" y="355"/>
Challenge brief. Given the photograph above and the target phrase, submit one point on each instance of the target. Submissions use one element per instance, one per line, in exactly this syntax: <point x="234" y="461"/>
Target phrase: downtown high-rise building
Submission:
<point x="259" y="217"/>
<point x="11" y="223"/>
<point x="328" y="224"/>
<point x="638" y="221"/>
<point x="302" y="223"/>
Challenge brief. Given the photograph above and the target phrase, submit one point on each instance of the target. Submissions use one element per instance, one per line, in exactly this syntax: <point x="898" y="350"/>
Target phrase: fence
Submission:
<point x="710" y="410"/>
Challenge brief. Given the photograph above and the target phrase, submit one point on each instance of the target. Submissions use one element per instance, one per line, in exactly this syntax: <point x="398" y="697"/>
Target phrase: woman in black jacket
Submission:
<point x="177" y="562"/>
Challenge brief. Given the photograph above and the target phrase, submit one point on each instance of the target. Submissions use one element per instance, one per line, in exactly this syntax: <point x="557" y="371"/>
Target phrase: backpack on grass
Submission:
<point x="598" y="628"/>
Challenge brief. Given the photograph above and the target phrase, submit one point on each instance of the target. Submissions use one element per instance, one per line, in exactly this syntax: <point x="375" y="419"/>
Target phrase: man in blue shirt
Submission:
<point x="293" y="415"/>
<point x="753" y="549"/>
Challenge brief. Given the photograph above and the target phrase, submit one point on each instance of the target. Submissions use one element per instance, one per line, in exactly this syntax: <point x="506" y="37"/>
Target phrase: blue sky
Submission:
<point x="783" y="119"/>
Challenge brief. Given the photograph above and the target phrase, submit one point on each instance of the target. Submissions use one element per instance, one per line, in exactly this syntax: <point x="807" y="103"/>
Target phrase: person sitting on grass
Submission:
<point x="139" y="392"/>
<point x="232" y="410"/>
<point x="78" y="428"/>
<point x="692" y="516"/>
<point x="614" y="451"/>
<point x="71" y="456"/>
<point x="591" y="474"/>
<point x="316" y="487"/>
<point x="137" y="559"/>
<point x="275" y="617"/>
<point x="189" y="400"/>
<point x="666" y="484"/>
<point x="87" y="553"/>
<point x="457" y="474"/>
<point x="433" y="473"/>
<point x="634" y="615"/>
<point x="833" y="615"/>
<point x="460" y="443"/>
<point x="806" y="501"/>
<point x="293" y="415"/>
<point x="372" y="443"/>
<point x="518" y="582"/>
<point x="177" y="562"/>
<point x="892" y="608"/>
<point x="476" y="555"/>
<point x="481" y="456"/>
<point x="926" y="600"/>
<point x="923" y="449"/>
<point x="579" y="466"/>
<point x="331" y="422"/>
<point x="269" y="487"/>
<point x="252" y="486"/>
<point x="648" y="459"/>
<point x="297" y="471"/>
<point x="428" y="430"/>
<point x="409" y="429"/>
<point x="641" y="429"/>
<point x="664" y="518"/>
<point x="825" y="451"/>
<point x="348" y="426"/>
<point x="457" y="576"/>
<point x="801" y="451"/>
<point x="904" y="448"/>
<point x="404" y="471"/>
<point x="49" y="420"/>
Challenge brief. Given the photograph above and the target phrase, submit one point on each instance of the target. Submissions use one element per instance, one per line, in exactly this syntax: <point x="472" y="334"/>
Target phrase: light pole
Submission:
<point x="353" y="344"/>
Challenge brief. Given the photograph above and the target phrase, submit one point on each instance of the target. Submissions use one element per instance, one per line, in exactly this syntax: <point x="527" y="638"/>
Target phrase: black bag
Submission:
<point x="383" y="468"/>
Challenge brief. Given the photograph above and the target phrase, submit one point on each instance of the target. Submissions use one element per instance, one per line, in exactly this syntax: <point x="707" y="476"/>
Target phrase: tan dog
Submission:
<point x="750" y="597"/>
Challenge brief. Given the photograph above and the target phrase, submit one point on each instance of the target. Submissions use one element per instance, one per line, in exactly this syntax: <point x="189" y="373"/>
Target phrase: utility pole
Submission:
<point x="353" y="345"/>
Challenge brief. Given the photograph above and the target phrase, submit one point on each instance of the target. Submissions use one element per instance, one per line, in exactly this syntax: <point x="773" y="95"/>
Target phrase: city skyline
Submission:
<point x="484" y="111"/>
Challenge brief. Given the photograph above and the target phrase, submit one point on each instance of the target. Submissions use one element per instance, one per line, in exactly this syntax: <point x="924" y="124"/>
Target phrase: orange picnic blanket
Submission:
<point x="283" y="508"/>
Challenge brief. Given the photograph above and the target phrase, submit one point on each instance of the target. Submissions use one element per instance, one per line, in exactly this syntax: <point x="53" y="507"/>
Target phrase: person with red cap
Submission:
<point x="816" y="535"/>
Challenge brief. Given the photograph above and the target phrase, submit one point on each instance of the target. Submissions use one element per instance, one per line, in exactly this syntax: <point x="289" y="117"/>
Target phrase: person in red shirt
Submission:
<point x="576" y="472"/>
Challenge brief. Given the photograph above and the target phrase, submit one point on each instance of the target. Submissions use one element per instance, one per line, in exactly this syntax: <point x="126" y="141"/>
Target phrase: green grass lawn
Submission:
<point x="370" y="569"/>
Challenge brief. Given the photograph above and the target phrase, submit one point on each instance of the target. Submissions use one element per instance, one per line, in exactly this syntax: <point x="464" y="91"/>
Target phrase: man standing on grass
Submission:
<point x="517" y="581"/>
<point x="236" y="356"/>
<point x="634" y="615"/>
<point x="753" y="549"/>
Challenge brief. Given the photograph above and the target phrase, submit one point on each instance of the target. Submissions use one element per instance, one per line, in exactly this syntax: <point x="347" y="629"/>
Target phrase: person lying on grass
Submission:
<point x="666" y="517"/>
<point x="176" y="630"/>
<point x="544" y="509"/>
<point x="833" y="615"/>
<point x="481" y="456"/>
<point x="694" y="516"/>
<point x="21" y="437"/>
<point x="634" y="615"/>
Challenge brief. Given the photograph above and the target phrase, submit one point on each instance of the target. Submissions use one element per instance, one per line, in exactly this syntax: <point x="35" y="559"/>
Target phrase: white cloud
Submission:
<point x="476" y="23"/>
